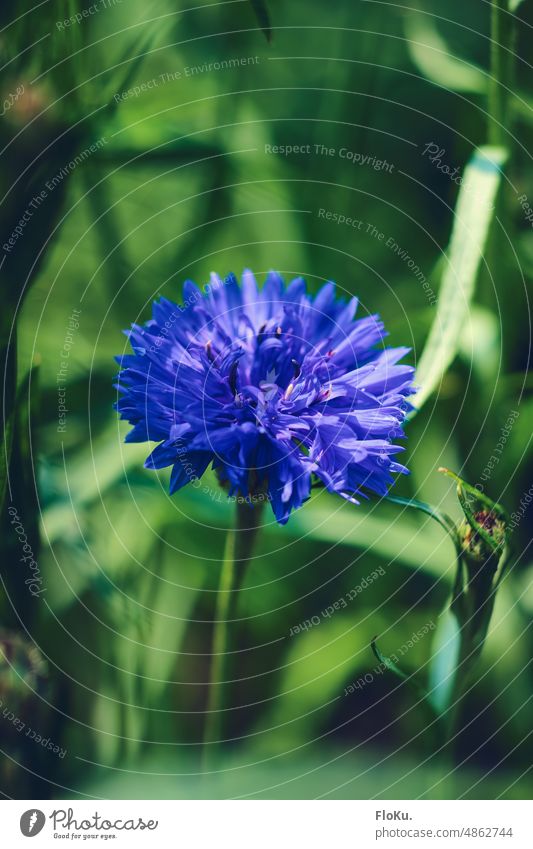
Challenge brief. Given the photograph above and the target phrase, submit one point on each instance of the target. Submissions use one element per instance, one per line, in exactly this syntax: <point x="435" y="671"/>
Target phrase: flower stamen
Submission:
<point x="288" y="392"/>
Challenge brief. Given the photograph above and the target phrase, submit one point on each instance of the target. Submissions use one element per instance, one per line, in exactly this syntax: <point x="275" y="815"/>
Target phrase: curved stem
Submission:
<point x="237" y="553"/>
<point x="495" y="128"/>
<point x="219" y="641"/>
<point x="502" y="32"/>
<point x="473" y="619"/>
<point x="453" y="718"/>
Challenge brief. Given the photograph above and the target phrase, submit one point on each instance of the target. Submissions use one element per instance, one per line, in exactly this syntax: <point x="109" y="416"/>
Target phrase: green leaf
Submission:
<point x="514" y="4"/>
<point x="431" y="55"/>
<point x="389" y="664"/>
<point x="133" y="57"/>
<point x="473" y="215"/>
<point x="15" y="420"/>
<point x="5" y="456"/>
<point x="475" y="495"/>
<point x="398" y="539"/>
<point x="317" y="667"/>
<point x="442" y="518"/>
<point x="443" y="664"/>
<point x="480" y="344"/>
<point x="263" y="16"/>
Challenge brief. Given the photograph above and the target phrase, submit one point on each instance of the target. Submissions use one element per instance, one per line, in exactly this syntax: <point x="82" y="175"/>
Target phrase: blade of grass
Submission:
<point x="431" y="55"/>
<point x="473" y="215"/>
<point x="135" y="54"/>
<point x="263" y="17"/>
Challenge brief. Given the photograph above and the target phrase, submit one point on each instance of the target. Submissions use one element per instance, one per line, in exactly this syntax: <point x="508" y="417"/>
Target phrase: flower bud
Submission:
<point x="480" y="546"/>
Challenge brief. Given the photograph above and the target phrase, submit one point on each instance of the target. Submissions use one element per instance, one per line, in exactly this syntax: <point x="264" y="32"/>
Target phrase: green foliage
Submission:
<point x="261" y="10"/>
<point x="472" y="217"/>
<point x="182" y="185"/>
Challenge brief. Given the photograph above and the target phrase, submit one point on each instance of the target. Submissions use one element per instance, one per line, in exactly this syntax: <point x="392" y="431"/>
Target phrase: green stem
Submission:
<point x="453" y="719"/>
<point x="498" y="73"/>
<point x="8" y="372"/>
<point x="473" y="615"/>
<point x="237" y="553"/>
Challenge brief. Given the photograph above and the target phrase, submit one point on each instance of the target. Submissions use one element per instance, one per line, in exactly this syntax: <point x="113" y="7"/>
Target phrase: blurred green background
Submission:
<point x="179" y="181"/>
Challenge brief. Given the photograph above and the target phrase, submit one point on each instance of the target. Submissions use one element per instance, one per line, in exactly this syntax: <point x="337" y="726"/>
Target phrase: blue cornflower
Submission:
<point x="273" y="387"/>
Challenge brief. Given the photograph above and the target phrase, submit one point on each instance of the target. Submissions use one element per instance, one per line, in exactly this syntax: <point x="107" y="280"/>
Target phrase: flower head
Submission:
<point x="273" y="387"/>
<point x="473" y="544"/>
